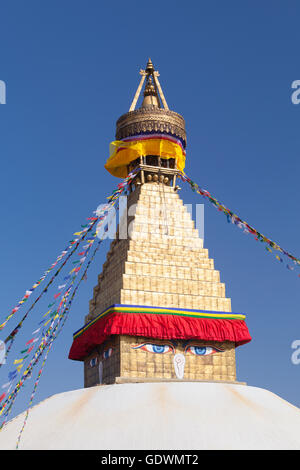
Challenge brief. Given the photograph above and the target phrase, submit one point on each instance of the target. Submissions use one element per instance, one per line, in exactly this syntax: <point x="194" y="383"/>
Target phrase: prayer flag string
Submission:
<point x="234" y="219"/>
<point x="82" y="235"/>
<point x="64" y="291"/>
<point x="50" y="345"/>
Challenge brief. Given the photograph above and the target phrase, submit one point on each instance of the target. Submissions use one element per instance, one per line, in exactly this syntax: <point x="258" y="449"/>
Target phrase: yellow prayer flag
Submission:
<point x="18" y="361"/>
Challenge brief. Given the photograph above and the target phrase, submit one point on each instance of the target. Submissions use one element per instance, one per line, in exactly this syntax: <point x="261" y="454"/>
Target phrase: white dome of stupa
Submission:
<point x="163" y="415"/>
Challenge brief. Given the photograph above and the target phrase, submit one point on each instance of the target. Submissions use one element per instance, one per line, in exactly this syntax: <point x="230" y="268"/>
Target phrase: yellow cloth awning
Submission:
<point x="124" y="152"/>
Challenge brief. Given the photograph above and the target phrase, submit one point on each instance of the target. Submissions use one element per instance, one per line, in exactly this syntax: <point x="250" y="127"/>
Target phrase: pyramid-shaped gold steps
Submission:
<point x="163" y="263"/>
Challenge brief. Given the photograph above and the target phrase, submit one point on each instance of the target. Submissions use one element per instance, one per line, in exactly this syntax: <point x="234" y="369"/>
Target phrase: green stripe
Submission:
<point x="159" y="312"/>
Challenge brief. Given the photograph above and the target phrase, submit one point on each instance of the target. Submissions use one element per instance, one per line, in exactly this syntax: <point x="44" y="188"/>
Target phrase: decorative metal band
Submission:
<point x="151" y="119"/>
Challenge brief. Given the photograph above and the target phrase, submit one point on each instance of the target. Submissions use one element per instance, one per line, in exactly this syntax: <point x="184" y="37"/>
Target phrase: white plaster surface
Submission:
<point x="175" y="415"/>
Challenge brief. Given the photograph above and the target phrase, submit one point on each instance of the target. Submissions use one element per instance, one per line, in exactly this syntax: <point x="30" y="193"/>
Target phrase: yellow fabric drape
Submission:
<point x="122" y="153"/>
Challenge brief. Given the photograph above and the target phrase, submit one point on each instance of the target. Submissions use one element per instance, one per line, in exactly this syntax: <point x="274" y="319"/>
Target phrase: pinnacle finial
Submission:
<point x="152" y="88"/>
<point x="149" y="67"/>
<point x="150" y="94"/>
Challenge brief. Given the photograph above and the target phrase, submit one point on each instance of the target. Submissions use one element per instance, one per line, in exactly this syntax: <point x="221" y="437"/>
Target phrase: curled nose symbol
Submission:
<point x="179" y="363"/>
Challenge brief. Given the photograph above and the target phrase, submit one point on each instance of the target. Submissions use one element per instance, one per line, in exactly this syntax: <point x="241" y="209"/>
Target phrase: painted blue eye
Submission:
<point x="155" y="348"/>
<point x="107" y="353"/>
<point x="93" y="362"/>
<point x="201" y="350"/>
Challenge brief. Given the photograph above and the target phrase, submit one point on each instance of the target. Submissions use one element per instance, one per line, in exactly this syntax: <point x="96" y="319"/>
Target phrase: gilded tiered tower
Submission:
<point x="159" y="310"/>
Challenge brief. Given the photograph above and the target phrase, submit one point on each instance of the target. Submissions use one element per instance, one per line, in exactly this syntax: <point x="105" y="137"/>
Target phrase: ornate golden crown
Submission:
<point x="151" y="117"/>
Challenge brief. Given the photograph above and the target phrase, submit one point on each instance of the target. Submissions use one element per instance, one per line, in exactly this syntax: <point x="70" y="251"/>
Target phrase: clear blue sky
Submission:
<point x="71" y="69"/>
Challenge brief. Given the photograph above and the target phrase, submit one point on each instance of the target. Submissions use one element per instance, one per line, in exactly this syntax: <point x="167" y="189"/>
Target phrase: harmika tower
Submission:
<point x="159" y="311"/>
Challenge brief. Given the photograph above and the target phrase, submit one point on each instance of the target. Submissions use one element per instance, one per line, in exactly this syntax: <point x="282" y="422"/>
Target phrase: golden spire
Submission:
<point x="154" y="115"/>
<point x="151" y="97"/>
<point x="149" y="68"/>
<point x="152" y="89"/>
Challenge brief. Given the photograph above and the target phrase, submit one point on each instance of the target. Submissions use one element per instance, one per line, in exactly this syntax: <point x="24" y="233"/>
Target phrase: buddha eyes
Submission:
<point x="107" y="353"/>
<point x="93" y="361"/>
<point x="165" y="348"/>
<point x="155" y="348"/>
<point x="202" y="350"/>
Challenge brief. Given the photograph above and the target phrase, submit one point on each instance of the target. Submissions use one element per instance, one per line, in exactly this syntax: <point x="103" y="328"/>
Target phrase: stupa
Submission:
<point x="159" y="310"/>
<point x="158" y="344"/>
